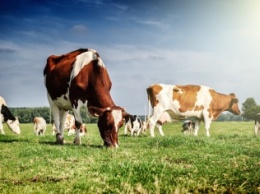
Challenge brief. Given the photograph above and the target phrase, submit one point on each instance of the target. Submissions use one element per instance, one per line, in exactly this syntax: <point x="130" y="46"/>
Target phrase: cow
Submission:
<point x="188" y="127"/>
<point x="39" y="125"/>
<point x="69" y="124"/>
<point x="201" y="102"/>
<point x="6" y="115"/>
<point x="80" y="79"/>
<point x="134" y="124"/>
<point x="257" y="124"/>
<point x="82" y="130"/>
<point x="164" y="118"/>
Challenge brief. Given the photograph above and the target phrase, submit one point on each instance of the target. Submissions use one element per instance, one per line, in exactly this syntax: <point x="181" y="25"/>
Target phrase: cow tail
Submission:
<point x="149" y="103"/>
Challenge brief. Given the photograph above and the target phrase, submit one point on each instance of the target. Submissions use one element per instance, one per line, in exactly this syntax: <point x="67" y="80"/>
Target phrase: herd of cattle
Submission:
<point x="80" y="79"/>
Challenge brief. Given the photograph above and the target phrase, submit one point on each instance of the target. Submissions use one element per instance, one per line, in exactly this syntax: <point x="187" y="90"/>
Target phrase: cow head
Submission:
<point x="109" y="122"/>
<point x="14" y="126"/>
<point x="233" y="106"/>
<point x="11" y="121"/>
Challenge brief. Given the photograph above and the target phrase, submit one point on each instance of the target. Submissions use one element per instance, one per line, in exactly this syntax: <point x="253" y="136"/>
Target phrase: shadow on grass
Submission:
<point x="53" y="143"/>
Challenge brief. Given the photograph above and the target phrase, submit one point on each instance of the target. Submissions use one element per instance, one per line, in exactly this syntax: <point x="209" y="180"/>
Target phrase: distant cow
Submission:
<point x="133" y="124"/>
<point x="70" y="126"/>
<point x="200" y="102"/>
<point x="82" y="130"/>
<point x="188" y="127"/>
<point x="7" y="116"/>
<point x="257" y="124"/>
<point x="39" y="125"/>
<point x="80" y="79"/>
<point x="164" y="118"/>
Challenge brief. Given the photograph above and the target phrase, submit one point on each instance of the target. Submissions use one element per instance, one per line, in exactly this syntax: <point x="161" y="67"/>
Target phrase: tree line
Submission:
<point x="26" y="115"/>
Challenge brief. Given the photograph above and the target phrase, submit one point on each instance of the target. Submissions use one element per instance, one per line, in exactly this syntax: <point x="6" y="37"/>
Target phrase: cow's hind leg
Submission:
<point x="197" y="126"/>
<point x="160" y="129"/>
<point x="207" y="126"/>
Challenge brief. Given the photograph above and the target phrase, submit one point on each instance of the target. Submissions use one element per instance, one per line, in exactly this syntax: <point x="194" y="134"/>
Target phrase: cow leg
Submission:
<point x="207" y="126"/>
<point x="197" y="126"/>
<point x="125" y="131"/>
<point x="132" y="132"/>
<point x="1" y="127"/>
<point x="152" y="121"/>
<point x="78" y="123"/>
<point x="160" y="129"/>
<point x="60" y="126"/>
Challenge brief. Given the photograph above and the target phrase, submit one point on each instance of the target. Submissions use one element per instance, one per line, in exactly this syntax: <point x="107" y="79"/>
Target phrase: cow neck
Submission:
<point x="101" y="99"/>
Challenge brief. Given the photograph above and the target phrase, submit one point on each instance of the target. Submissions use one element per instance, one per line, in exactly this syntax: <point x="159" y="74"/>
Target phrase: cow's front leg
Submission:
<point x="78" y="123"/>
<point x="77" y="139"/>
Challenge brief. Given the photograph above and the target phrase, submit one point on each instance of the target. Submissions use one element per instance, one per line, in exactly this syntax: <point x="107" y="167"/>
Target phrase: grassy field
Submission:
<point x="227" y="162"/>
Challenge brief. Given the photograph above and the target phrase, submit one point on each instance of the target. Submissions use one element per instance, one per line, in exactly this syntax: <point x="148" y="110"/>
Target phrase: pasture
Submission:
<point x="227" y="162"/>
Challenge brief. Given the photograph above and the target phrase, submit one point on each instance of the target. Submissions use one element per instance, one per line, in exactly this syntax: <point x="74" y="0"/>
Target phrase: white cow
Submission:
<point x="39" y="125"/>
<point x="7" y="116"/>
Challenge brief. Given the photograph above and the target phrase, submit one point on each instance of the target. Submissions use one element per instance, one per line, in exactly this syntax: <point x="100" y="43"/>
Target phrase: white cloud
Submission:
<point x="79" y="28"/>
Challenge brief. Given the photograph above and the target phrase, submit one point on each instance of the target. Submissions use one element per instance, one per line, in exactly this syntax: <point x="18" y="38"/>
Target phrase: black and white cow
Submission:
<point x="188" y="127"/>
<point x="257" y="124"/>
<point x="7" y="116"/>
<point x="133" y="124"/>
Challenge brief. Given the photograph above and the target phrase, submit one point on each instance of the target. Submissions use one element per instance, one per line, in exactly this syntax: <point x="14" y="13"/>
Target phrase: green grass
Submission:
<point x="227" y="162"/>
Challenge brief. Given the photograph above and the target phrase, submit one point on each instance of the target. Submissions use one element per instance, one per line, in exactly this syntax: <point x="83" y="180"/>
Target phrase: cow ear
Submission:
<point x="95" y="111"/>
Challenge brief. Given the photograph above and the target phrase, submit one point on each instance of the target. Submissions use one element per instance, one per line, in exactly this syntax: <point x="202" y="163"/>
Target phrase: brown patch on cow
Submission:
<point x="36" y="120"/>
<point x="57" y="72"/>
<point x="219" y="103"/>
<point x="186" y="96"/>
<point x="152" y="91"/>
<point x="87" y="86"/>
<point x="198" y="108"/>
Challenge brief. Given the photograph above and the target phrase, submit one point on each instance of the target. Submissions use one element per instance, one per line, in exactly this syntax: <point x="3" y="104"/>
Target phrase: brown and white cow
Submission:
<point x="201" y="102"/>
<point x="69" y="124"/>
<point x="82" y="130"/>
<point x="80" y="79"/>
<point x="257" y="124"/>
<point x="7" y="116"/>
<point x="39" y="125"/>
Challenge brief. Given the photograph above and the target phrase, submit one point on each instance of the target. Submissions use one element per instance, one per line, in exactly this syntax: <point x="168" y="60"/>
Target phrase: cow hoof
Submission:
<point x="77" y="141"/>
<point x="59" y="139"/>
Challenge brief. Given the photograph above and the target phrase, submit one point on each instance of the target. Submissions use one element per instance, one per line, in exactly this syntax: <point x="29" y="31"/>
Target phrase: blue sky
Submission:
<point x="214" y="43"/>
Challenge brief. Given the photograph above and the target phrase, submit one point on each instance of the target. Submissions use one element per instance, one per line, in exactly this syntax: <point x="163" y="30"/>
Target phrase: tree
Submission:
<point x="250" y="108"/>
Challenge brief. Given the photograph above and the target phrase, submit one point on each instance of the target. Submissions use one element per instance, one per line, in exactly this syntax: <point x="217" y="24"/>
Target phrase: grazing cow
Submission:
<point x="133" y="124"/>
<point x="39" y="125"/>
<point x="188" y="127"/>
<point x="257" y="124"/>
<point x="200" y="102"/>
<point x="80" y="79"/>
<point x="7" y="116"/>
